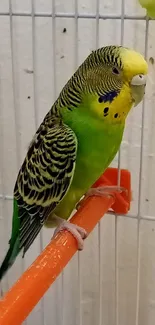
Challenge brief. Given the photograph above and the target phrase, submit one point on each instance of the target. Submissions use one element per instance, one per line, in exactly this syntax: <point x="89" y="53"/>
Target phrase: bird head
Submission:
<point x="117" y="76"/>
<point x="107" y="84"/>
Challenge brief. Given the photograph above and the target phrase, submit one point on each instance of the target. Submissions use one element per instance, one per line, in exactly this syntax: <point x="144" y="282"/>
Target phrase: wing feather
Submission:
<point x="44" y="178"/>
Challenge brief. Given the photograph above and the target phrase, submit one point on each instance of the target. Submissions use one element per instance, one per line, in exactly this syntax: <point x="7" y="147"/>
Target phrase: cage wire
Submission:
<point x="42" y="43"/>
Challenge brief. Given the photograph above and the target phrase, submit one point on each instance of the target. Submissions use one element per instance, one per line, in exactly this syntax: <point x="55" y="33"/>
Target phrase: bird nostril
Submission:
<point x="140" y="76"/>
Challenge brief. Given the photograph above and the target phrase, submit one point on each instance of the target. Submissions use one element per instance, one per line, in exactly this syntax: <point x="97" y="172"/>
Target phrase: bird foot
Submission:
<point x="79" y="233"/>
<point x="102" y="191"/>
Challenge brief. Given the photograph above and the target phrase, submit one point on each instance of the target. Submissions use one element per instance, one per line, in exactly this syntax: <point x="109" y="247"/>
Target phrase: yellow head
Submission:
<point x="108" y="83"/>
<point x="117" y="78"/>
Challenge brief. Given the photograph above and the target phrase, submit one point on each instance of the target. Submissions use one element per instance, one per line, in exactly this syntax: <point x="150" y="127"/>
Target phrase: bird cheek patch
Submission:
<point x="108" y="97"/>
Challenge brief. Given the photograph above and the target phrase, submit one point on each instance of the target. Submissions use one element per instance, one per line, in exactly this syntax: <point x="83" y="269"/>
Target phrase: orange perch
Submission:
<point x="28" y="290"/>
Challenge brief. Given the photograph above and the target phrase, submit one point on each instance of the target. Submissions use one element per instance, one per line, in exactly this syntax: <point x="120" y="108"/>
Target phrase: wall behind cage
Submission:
<point x="41" y="44"/>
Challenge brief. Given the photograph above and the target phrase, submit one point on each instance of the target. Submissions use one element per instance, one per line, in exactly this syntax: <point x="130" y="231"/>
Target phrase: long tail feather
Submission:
<point x="9" y="258"/>
<point x="14" y="249"/>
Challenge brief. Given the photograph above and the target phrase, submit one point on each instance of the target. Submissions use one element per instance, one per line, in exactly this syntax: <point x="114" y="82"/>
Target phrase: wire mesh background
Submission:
<point x="41" y="44"/>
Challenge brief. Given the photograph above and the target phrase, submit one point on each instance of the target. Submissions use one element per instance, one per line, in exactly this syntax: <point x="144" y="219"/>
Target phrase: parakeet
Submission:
<point x="149" y="5"/>
<point x="75" y="143"/>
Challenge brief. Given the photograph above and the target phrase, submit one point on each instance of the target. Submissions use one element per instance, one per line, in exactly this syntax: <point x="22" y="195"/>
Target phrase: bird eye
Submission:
<point x="115" y="70"/>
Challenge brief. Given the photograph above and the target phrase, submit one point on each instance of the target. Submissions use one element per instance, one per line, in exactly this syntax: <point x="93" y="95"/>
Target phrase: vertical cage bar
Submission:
<point x="2" y="178"/>
<point x="97" y="22"/>
<point x="58" y="319"/>
<point x="63" y="298"/>
<point x="100" y="273"/>
<point x="54" y="48"/>
<point x="36" y="119"/>
<point x="79" y="257"/>
<point x="121" y="41"/>
<point x="118" y="181"/>
<point x="122" y="20"/>
<point x="79" y="290"/>
<point x="141" y="188"/>
<point x="99" y="224"/>
<point x="76" y="33"/>
<point x="15" y="104"/>
<point x="116" y="271"/>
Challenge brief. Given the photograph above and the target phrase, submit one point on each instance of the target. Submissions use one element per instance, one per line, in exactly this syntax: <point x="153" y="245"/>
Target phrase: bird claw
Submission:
<point x="79" y="233"/>
<point x="102" y="191"/>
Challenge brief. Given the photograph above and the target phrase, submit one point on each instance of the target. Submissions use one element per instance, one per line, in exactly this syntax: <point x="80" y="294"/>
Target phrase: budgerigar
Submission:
<point x="76" y="142"/>
<point x="149" y="5"/>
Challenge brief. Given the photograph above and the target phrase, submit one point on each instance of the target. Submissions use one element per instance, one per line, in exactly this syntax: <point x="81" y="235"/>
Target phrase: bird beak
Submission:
<point x="139" y="80"/>
<point x="138" y="84"/>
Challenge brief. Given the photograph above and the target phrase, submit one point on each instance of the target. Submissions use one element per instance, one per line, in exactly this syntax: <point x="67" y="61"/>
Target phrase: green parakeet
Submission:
<point x="149" y="5"/>
<point x="75" y="143"/>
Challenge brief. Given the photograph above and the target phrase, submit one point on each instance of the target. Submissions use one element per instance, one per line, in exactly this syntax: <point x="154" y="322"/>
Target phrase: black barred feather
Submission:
<point x="45" y="178"/>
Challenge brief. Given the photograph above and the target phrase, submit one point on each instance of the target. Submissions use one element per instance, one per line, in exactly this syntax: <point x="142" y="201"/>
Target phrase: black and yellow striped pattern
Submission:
<point x="44" y="177"/>
<point x="93" y="76"/>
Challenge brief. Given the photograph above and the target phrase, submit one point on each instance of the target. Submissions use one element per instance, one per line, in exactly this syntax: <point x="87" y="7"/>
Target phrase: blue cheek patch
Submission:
<point x="108" y="97"/>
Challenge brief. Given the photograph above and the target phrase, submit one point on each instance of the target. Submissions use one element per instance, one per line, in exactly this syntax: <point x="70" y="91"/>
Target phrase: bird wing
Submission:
<point x="44" y="178"/>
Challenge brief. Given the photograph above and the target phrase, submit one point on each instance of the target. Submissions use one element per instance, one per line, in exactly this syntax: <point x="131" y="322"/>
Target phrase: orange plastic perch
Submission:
<point x="28" y="290"/>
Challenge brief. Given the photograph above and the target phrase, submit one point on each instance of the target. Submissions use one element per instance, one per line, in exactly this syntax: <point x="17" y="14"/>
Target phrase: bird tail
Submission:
<point x="13" y="250"/>
<point x="9" y="259"/>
